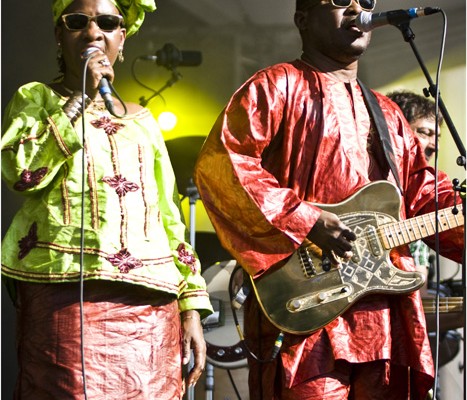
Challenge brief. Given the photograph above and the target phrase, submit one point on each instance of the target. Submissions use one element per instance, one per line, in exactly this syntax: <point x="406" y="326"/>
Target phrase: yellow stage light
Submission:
<point x="167" y="120"/>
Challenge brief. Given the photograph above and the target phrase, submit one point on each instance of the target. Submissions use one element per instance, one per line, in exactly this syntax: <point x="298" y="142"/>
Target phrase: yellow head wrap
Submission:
<point x="133" y="11"/>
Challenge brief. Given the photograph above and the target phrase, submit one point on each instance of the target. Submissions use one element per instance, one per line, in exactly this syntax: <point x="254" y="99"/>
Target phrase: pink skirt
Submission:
<point x="132" y="342"/>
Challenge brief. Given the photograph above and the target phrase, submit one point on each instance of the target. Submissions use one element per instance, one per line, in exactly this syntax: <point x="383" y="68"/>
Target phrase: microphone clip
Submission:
<point x="169" y="56"/>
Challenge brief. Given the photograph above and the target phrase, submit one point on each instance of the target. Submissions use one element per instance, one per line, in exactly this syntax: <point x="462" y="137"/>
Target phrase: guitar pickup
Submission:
<point x="356" y="254"/>
<point x="373" y="241"/>
<point x="311" y="300"/>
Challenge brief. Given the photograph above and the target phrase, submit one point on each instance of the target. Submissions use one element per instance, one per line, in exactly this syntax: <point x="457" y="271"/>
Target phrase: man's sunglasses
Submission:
<point x="79" y="22"/>
<point x="365" y="5"/>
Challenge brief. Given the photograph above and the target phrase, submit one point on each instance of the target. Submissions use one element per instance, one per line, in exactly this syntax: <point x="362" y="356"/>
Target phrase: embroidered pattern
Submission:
<point x="186" y="257"/>
<point x="121" y="185"/>
<point x="142" y="173"/>
<point x="124" y="261"/>
<point x="93" y="188"/>
<point x="27" y="243"/>
<point x="107" y="125"/>
<point x="30" y="179"/>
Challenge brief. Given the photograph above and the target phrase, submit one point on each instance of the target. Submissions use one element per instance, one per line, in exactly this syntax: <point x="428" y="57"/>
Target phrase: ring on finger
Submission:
<point x="104" y="63"/>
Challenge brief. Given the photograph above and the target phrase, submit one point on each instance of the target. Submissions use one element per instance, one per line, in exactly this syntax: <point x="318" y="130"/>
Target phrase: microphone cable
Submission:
<point x="229" y="373"/>
<point x="436" y="168"/>
<point x="174" y="78"/>
<point x="233" y="298"/>
<point x="82" y="232"/>
<point x="109" y="106"/>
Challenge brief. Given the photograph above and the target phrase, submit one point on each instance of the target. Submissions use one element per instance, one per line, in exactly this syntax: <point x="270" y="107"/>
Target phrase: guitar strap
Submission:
<point x="381" y="126"/>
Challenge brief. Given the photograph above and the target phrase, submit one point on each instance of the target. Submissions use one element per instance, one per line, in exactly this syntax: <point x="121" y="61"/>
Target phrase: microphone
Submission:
<point x="104" y="86"/>
<point x="106" y="93"/>
<point x="366" y="21"/>
<point x="170" y="57"/>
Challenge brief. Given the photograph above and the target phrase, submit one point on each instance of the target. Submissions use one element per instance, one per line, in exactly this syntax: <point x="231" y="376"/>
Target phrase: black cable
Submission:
<point x="82" y="233"/>
<point x="277" y="344"/>
<point x="233" y="384"/>
<point x="259" y="321"/>
<point x="437" y="244"/>
<point x="110" y="108"/>
<point x="174" y="78"/>
<point x="133" y="74"/>
<point x="81" y="253"/>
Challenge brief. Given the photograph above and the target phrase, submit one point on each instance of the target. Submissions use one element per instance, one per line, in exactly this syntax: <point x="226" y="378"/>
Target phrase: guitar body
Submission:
<point x="307" y="292"/>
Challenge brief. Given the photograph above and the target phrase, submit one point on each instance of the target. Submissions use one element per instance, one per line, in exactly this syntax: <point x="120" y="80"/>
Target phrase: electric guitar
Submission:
<point x="446" y="305"/>
<point x="308" y="292"/>
<point x="451" y="315"/>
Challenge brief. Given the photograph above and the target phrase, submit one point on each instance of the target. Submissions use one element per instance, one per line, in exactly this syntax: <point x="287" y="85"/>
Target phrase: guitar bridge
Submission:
<point x="312" y="300"/>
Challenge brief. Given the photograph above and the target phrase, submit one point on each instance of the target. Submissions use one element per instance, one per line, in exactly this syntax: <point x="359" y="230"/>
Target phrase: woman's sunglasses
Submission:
<point x="365" y="5"/>
<point x="79" y="22"/>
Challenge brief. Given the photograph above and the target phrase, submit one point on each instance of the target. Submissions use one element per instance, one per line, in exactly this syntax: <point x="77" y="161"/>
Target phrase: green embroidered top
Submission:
<point x="133" y="228"/>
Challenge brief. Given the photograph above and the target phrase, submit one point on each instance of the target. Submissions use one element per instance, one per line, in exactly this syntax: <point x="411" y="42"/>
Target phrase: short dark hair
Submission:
<point x="414" y="106"/>
<point x="303" y="4"/>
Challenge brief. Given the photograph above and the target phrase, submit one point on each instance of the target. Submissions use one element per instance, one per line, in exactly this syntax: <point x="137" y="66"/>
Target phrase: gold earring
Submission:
<point x="120" y="55"/>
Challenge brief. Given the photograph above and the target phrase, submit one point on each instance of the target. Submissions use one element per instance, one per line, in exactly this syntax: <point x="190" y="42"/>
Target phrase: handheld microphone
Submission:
<point x="367" y="21"/>
<point x="104" y="86"/>
<point x="106" y="93"/>
<point x="170" y="57"/>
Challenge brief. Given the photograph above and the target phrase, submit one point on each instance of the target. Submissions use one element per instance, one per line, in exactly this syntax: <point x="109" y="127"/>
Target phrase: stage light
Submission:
<point x="167" y="120"/>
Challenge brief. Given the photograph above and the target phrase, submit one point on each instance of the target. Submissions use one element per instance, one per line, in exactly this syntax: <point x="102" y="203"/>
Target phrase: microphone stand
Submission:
<point x="193" y="195"/>
<point x="409" y="37"/>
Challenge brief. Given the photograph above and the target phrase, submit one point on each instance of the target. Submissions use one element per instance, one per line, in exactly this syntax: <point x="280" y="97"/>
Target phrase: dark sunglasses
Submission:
<point x="79" y="22"/>
<point x="365" y="5"/>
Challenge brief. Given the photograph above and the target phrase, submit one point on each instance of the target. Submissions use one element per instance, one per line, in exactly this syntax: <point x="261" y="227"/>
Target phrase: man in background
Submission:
<point x="420" y="112"/>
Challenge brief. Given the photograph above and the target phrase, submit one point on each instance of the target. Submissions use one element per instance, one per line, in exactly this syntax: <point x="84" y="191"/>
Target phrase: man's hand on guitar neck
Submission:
<point x="333" y="237"/>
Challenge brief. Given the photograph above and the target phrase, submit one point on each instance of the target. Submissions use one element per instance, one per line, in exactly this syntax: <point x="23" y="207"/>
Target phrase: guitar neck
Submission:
<point x="446" y="304"/>
<point x="412" y="229"/>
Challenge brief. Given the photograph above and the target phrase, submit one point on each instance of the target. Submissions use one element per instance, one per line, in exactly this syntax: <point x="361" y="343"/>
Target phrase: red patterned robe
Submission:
<point x="291" y="136"/>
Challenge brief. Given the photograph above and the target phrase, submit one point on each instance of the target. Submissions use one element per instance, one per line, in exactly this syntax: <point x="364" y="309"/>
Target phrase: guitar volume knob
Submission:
<point x="295" y="305"/>
<point x="323" y="296"/>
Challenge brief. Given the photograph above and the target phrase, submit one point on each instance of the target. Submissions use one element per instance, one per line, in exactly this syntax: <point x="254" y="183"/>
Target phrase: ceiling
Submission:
<point x="236" y="37"/>
<point x="267" y="25"/>
<point x="278" y="12"/>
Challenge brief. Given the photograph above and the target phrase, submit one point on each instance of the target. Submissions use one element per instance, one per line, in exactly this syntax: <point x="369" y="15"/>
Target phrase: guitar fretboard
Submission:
<point x="410" y="230"/>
